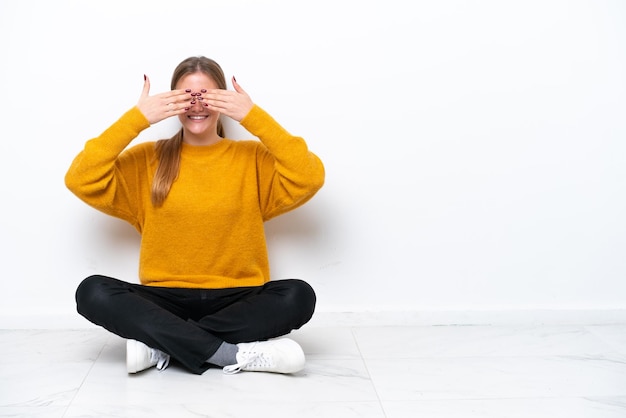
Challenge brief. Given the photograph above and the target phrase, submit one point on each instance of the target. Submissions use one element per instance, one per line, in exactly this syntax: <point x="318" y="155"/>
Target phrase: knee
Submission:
<point x="300" y="297"/>
<point x="91" y="294"/>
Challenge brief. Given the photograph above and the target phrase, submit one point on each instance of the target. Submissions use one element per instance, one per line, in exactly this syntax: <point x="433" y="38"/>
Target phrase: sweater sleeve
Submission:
<point x="289" y="174"/>
<point x="98" y="175"/>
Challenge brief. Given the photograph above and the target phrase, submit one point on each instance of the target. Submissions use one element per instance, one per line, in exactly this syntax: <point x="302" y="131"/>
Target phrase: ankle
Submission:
<point x="225" y="355"/>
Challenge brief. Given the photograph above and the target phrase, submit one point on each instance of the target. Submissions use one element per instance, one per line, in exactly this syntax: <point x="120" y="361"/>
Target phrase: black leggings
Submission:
<point x="191" y="324"/>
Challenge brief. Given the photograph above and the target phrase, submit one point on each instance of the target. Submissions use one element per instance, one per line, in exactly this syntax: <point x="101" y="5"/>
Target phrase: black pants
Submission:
<point x="191" y="324"/>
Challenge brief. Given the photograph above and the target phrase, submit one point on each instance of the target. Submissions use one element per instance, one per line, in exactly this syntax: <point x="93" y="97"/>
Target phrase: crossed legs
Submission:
<point x="191" y="324"/>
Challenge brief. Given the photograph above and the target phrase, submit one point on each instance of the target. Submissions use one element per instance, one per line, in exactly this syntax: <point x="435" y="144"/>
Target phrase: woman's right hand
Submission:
<point x="162" y="106"/>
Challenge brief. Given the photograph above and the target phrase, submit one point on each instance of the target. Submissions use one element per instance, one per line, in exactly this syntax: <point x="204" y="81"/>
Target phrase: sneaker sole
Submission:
<point x="131" y="358"/>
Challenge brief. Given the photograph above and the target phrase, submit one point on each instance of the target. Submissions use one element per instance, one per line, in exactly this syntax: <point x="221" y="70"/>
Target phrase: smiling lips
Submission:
<point x="198" y="117"/>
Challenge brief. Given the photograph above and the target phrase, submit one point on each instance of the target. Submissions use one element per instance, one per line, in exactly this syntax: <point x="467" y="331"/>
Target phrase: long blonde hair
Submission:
<point x="168" y="150"/>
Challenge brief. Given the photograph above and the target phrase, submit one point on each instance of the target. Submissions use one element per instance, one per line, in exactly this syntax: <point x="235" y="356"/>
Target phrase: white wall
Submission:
<point x="474" y="149"/>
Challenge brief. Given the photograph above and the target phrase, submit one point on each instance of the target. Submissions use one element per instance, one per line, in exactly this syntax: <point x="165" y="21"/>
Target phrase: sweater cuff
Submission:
<point x="135" y="118"/>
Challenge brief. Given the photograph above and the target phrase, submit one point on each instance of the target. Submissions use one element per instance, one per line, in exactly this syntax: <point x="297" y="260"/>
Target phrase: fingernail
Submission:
<point x="187" y="90"/>
<point x="145" y="77"/>
<point x="203" y="90"/>
<point x="193" y="102"/>
<point x="186" y="108"/>
<point x="206" y="104"/>
<point x="234" y="79"/>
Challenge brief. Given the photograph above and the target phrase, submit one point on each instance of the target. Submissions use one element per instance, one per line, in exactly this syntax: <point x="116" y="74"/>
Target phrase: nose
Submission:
<point x="196" y="104"/>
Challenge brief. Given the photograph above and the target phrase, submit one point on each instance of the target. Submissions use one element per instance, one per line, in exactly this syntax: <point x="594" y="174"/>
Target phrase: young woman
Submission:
<point x="199" y="201"/>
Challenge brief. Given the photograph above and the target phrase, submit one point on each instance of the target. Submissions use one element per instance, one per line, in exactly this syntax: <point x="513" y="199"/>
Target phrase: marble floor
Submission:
<point x="422" y="371"/>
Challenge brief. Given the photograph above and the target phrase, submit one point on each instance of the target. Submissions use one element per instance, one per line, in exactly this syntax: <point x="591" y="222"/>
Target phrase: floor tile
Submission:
<point x="329" y="343"/>
<point x="37" y="385"/>
<point x="614" y="335"/>
<point x="478" y="341"/>
<point x="235" y="409"/>
<point x="497" y="377"/>
<point x="32" y="412"/>
<point x="34" y="346"/>
<point x="509" y="408"/>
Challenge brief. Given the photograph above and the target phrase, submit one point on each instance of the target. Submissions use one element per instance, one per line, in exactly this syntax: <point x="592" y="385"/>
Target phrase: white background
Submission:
<point x="474" y="149"/>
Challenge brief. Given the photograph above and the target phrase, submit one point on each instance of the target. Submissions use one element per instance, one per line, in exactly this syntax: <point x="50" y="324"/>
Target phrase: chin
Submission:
<point x="197" y="130"/>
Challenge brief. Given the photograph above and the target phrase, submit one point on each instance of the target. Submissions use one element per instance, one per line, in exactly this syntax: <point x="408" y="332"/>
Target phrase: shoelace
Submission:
<point x="249" y="358"/>
<point x="162" y="359"/>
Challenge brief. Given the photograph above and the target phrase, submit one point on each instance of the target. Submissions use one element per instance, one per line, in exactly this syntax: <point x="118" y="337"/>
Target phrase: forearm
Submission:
<point x="92" y="174"/>
<point x="290" y="174"/>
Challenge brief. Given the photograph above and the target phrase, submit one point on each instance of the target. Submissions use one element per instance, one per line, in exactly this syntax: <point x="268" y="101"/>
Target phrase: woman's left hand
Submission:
<point x="234" y="104"/>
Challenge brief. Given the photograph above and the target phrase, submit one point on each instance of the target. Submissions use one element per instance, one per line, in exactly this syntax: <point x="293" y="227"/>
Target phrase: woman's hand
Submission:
<point x="234" y="104"/>
<point x="162" y="106"/>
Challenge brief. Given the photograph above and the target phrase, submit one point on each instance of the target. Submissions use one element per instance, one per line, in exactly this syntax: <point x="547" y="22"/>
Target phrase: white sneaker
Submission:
<point x="276" y="356"/>
<point x="141" y="357"/>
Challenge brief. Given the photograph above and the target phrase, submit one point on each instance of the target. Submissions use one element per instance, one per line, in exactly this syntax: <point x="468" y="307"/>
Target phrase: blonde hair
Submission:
<point x="167" y="151"/>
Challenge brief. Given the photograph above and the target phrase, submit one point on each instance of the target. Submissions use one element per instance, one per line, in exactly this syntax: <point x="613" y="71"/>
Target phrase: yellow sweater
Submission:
<point x="209" y="232"/>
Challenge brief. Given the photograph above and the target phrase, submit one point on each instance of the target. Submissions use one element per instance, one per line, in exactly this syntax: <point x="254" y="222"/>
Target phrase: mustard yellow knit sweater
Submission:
<point x="209" y="233"/>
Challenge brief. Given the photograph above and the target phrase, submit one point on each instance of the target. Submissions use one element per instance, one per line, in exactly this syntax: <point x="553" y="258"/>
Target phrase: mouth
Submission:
<point x="197" y="117"/>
